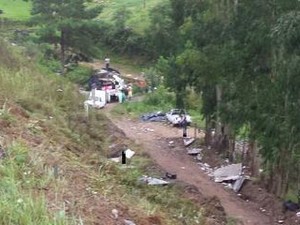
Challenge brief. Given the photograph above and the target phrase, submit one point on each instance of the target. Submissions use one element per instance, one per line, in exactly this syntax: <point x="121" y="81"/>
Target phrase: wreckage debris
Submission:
<point x="171" y="175"/>
<point x="188" y="141"/>
<point x="238" y="184"/>
<point x="206" y="168"/>
<point x="171" y="144"/>
<point x="153" y="181"/>
<point x="230" y="172"/>
<point x="127" y="154"/>
<point x="128" y="222"/>
<point x="194" y="151"/>
<point x="291" y="206"/>
<point x="231" y="175"/>
<point x="154" y="117"/>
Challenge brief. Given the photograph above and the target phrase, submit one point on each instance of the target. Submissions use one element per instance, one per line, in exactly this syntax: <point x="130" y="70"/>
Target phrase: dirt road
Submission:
<point x="153" y="137"/>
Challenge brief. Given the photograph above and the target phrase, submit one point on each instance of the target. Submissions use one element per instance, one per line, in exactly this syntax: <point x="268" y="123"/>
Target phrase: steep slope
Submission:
<point x="55" y="158"/>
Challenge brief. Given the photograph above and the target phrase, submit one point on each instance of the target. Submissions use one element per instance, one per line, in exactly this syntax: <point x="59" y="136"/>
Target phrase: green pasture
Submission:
<point x="139" y="11"/>
<point x="15" y="9"/>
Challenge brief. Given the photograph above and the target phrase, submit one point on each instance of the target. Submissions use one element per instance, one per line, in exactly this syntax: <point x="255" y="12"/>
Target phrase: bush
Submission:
<point x="160" y="98"/>
<point x="80" y="75"/>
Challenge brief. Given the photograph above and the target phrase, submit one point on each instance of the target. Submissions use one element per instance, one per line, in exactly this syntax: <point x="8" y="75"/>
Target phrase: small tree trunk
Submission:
<point x="208" y="134"/>
<point x="219" y="99"/>
<point x="253" y="158"/>
<point x="62" y="50"/>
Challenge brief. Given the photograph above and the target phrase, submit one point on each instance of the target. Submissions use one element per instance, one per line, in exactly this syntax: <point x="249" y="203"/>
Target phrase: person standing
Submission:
<point x="129" y="92"/>
<point x="107" y="61"/>
<point x="184" y="125"/>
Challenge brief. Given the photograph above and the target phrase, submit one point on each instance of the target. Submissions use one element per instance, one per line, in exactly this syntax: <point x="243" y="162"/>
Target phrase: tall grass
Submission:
<point x="22" y="172"/>
<point x="20" y="203"/>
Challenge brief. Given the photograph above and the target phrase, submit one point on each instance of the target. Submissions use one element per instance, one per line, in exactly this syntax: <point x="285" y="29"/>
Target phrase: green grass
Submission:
<point x="139" y="16"/>
<point x="19" y="203"/>
<point x="15" y="9"/>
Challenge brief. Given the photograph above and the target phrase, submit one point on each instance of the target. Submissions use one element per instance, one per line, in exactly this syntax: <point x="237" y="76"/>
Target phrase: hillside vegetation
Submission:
<point x="54" y="162"/>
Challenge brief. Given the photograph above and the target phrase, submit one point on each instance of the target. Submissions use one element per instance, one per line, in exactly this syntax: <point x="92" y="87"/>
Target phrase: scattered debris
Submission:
<point x="171" y="175"/>
<point x="199" y="157"/>
<point x="118" y="159"/>
<point x="291" y="206"/>
<point x="231" y="176"/>
<point x="147" y="130"/>
<point x="128" y="153"/>
<point x="263" y="210"/>
<point x="171" y="144"/>
<point x="194" y="151"/>
<point x="188" y="141"/>
<point x="115" y="213"/>
<point x="205" y="167"/>
<point x="153" y="181"/>
<point x="154" y="117"/>
<point x="128" y="222"/>
<point x="238" y="184"/>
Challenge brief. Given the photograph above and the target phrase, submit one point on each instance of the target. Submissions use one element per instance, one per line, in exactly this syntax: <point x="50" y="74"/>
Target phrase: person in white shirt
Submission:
<point x="107" y="61"/>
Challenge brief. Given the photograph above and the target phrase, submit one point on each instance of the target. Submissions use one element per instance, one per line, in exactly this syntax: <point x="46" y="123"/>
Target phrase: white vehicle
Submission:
<point x="175" y="117"/>
<point x="97" y="99"/>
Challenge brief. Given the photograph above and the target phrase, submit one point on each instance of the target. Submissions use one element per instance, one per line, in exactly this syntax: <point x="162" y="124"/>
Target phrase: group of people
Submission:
<point x="122" y="96"/>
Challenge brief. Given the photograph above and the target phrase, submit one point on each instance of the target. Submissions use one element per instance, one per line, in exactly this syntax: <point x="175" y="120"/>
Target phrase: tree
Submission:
<point x="68" y="24"/>
<point x="162" y="33"/>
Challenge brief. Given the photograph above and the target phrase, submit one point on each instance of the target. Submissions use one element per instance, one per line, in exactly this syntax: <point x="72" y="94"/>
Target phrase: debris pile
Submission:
<point x="154" y="117"/>
<point x="231" y="176"/>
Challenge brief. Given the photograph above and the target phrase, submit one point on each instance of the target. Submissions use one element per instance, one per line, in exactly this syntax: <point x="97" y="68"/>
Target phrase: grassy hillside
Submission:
<point x="139" y="11"/>
<point x="54" y="162"/>
<point x="15" y="9"/>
